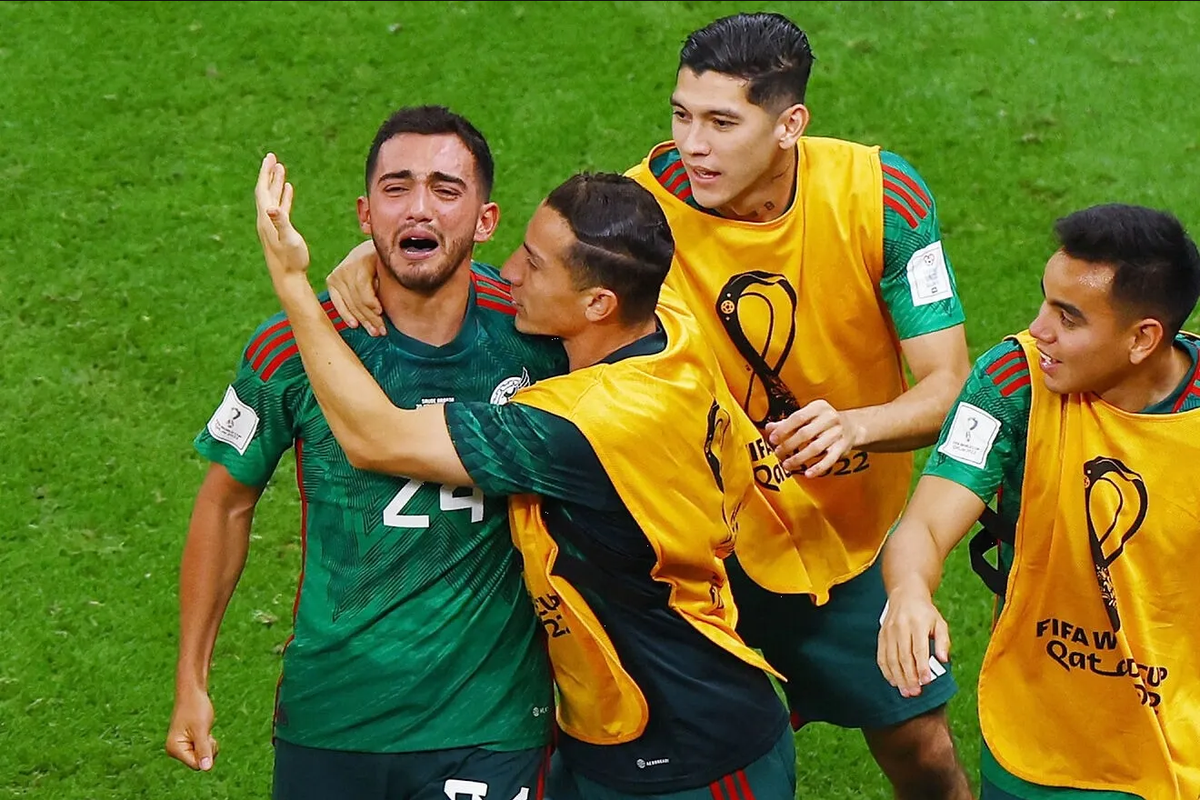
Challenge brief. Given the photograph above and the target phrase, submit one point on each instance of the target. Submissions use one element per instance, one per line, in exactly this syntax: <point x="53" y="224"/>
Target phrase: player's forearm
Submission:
<point x="939" y="514"/>
<point x="912" y="420"/>
<point x="912" y="560"/>
<point x="360" y="415"/>
<point x="374" y="433"/>
<point x="213" y="558"/>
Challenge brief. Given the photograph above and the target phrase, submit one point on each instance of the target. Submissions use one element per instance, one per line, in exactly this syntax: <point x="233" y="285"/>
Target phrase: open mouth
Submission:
<point x="1046" y="362"/>
<point x="419" y="246"/>
<point x="703" y="175"/>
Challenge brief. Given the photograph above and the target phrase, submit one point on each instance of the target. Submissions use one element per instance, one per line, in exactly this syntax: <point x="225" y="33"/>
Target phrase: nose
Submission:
<point x="511" y="272"/>
<point x="1041" y="327"/>
<point x="420" y="206"/>
<point x="693" y="142"/>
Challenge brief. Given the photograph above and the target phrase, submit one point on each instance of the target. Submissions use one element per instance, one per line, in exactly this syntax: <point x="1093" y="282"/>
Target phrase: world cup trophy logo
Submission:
<point x="758" y="311"/>
<point x="1115" y="502"/>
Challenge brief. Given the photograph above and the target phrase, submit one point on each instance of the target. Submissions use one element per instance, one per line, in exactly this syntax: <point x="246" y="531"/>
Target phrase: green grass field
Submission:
<point x="130" y="139"/>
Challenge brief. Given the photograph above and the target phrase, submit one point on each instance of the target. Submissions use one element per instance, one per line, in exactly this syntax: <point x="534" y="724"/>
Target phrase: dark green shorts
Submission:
<point x="827" y="653"/>
<point x="305" y="773"/>
<point x="771" y="777"/>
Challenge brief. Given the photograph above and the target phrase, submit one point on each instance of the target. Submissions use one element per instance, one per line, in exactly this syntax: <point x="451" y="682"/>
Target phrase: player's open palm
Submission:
<point x="189" y="738"/>
<point x="909" y="622"/>
<point x="283" y="246"/>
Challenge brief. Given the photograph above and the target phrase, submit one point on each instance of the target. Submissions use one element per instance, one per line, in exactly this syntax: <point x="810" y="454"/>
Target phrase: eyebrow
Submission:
<point x="1061" y="306"/>
<point x="1070" y="309"/>
<point x="532" y="255"/>
<point x="437" y="177"/>
<point x="710" y="112"/>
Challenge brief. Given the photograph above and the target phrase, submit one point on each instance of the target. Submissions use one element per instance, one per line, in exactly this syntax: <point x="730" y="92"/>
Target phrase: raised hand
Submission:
<point x="284" y="248"/>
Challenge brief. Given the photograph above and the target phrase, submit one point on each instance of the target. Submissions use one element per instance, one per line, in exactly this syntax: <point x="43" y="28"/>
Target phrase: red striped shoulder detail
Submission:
<point x="1012" y="386"/>
<point x="890" y="171"/>
<point x="679" y="183"/>
<point x="901" y="209"/>
<point x="279" y="329"/>
<point x="497" y="287"/>
<point x="486" y="301"/>
<point x="1192" y="392"/>
<point x="900" y="193"/>
<point x="671" y="174"/>
<point x="275" y="352"/>
<point x="1002" y="363"/>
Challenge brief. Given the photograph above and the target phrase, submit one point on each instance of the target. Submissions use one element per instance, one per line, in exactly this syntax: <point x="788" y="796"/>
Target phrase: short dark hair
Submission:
<point x="623" y="242"/>
<point x="432" y="121"/>
<point x="1156" y="266"/>
<point x="768" y="50"/>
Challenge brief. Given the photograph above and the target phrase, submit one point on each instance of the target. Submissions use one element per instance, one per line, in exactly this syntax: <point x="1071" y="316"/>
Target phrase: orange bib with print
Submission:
<point x="1090" y="678"/>
<point x="664" y="429"/>
<point x="793" y="310"/>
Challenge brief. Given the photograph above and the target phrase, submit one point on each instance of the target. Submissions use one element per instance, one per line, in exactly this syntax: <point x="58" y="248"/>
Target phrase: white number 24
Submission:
<point x="394" y="516"/>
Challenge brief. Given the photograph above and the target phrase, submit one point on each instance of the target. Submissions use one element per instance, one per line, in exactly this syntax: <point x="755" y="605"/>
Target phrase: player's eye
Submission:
<point x="1066" y="320"/>
<point x="723" y="124"/>
<point x="680" y="115"/>
<point x="446" y="192"/>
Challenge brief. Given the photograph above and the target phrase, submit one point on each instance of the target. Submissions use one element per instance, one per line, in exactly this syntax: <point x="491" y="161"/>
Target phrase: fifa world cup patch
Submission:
<point x="971" y="436"/>
<point x="928" y="276"/>
<point x="234" y="422"/>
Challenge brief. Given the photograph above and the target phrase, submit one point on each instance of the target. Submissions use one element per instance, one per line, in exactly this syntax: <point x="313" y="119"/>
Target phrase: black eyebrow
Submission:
<point x="532" y="255"/>
<point x="438" y="177"/>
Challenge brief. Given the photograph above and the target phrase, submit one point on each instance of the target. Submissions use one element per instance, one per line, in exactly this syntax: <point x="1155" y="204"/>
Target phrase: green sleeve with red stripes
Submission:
<point x="982" y="443"/>
<point x="918" y="284"/>
<point x="255" y="423"/>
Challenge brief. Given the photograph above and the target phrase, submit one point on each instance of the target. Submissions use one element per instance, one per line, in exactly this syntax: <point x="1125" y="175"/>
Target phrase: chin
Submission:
<point x="709" y="198"/>
<point x="522" y="324"/>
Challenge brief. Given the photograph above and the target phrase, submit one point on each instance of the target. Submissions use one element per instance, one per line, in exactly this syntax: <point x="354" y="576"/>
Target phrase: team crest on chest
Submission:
<point x="506" y="388"/>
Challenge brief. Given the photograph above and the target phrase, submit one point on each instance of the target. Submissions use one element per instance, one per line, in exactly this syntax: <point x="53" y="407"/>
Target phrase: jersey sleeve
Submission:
<point x="918" y="284"/>
<point x="516" y="449"/>
<point x="985" y="432"/>
<point x="254" y="425"/>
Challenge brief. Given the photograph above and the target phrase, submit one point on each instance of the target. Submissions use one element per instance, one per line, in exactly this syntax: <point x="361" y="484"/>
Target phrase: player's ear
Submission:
<point x="1147" y="334"/>
<point x="489" y="218"/>
<point x="364" y="215"/>
<point x="790" y="125"/>
<point x="601" y="305"/>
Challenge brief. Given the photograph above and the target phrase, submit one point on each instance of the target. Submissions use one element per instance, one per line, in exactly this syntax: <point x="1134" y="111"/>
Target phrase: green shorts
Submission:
<point x="827" y="653"/>
<point x="772" y="776"/>
<point x="305" y="773"/>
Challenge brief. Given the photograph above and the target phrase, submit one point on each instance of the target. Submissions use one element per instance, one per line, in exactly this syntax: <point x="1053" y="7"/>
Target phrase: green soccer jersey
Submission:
<point x="912" y="244"/>
<point x="999" y="387"/>
<point x="412" y="627"/>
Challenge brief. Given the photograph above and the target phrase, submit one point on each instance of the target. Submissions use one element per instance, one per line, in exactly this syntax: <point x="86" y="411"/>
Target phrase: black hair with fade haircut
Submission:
<point x="767" y="50"/>
<point x="623" y="242"/>
<point x="1155" y="263"/>
<point x="432" y="121"/>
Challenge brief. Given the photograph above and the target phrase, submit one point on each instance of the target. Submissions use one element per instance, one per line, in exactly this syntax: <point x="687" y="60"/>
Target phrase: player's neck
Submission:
<point x="597" y="342"/>
<point x="1155" y="381"/>
<point x="770" y="196"/>
<point x="434" y="318"/>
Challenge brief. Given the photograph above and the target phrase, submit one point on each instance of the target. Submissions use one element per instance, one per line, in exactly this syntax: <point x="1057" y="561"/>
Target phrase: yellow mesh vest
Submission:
<point x="662" y="429"/>
<point x="1090" y="679"/>
<point x="793" y="311"/>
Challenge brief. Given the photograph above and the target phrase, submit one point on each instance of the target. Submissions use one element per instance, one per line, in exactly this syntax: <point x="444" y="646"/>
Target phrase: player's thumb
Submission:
<point x="206" y="750"/>
<point x="941" y="640"/>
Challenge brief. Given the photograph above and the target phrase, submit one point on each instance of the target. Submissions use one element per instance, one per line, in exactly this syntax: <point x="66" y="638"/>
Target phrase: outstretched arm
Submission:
<point x="374" y="433"/>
